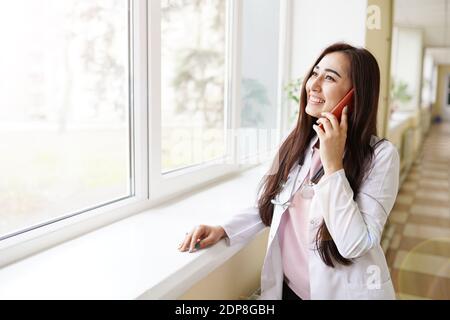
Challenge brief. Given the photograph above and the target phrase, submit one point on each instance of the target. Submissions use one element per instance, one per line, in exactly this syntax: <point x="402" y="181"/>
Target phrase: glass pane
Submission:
<point x="65" y="108"/>
<point x="259" y="86"/>
<point x="193" y="73"/>
<point x="260" y="25"/>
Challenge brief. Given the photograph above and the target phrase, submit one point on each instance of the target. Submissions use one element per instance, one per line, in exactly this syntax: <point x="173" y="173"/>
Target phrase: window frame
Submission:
<point x="151" y="187"/>
<point x="26" y="241"/>
<point x="164" y="186"/>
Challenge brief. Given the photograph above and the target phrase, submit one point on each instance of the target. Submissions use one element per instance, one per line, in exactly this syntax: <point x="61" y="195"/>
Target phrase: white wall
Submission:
<point x="317" y="24"/>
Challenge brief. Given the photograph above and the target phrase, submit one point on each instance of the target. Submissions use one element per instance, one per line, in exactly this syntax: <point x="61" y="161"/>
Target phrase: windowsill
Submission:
<point x="398" y="118"/>
<point x="138" y="256"/>
<point x="398" y="122"/>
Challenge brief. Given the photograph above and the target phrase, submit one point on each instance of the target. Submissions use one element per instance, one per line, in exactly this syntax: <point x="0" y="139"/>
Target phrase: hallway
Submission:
<point x="419" y="251"/>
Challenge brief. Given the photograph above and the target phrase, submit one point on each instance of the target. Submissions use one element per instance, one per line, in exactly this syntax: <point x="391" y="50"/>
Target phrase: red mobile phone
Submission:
<point x="337" y="110"/>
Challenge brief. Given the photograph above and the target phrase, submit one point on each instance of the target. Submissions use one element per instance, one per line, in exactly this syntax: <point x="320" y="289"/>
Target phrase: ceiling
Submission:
<point x="433" y="17"/>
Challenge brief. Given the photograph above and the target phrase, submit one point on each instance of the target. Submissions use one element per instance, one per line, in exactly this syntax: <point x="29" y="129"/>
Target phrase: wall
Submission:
<point x="438" y="107"/>
<point x="317" y="24"/>
<point x="378" y="41"/>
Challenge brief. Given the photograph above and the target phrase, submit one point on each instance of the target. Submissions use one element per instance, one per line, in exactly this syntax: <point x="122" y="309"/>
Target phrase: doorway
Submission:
<point x="446" y="104"/>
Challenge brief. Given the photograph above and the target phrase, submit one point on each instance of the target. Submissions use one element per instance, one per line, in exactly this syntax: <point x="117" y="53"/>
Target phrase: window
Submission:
<point x="193" y="81"/>
<point x="259" y="78"/>
<point x="65" y="113"/>
<point x="113" y="104"/>
<point x="407" y="56"/>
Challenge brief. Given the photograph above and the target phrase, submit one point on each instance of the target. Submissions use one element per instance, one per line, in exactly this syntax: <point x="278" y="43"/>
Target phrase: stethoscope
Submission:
<point x="306" y="193"/>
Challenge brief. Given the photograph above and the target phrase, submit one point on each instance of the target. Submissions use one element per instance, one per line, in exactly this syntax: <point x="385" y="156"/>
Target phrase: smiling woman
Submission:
<point x="325" y="245"/>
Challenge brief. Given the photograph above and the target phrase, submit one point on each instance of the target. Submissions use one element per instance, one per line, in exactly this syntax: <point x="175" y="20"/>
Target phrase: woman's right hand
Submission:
<point x="200" y="237"/>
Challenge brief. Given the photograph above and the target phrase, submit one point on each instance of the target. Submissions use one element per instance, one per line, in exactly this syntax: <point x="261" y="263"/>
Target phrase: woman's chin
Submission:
<point x="313" y="112"/>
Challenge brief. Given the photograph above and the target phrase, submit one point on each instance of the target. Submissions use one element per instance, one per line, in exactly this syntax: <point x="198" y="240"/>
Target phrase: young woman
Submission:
<point x="331" y="193"/>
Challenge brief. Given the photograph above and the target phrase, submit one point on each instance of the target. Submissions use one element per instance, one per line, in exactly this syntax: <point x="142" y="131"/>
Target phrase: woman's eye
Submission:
<point x="314" y="74"/>
<point x="329" y="78"/>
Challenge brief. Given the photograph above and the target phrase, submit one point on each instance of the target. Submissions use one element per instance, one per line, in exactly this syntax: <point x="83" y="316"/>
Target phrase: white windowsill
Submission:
<point x="399" y="118"/>
<point x="136" y="257"/>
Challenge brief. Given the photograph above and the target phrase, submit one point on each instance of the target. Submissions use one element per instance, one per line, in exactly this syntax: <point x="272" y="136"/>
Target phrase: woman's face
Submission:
<point x="328" y="84"/>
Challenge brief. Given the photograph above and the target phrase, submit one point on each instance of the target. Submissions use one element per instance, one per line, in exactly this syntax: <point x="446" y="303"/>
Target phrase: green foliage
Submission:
<point x="293" y="90"/>
<point x="399" y="91"/>
<point x="398" y="94"/>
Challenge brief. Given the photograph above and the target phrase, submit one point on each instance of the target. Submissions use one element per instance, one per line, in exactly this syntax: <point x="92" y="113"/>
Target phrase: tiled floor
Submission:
<point x="419" y="250"/>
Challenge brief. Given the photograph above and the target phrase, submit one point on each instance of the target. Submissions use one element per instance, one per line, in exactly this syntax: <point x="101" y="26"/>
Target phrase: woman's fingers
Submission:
<point x="326" y="125"/>
<point x="196" y="238"/>
<point x="209" y="240"/>
<point x="201" y="237"/>
<point x="319" y="131"/>
<point x="331" y="119"/>
<point x="186" y="242"/>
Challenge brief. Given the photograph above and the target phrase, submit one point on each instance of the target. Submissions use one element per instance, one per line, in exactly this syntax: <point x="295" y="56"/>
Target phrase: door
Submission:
<point x="446" y="104"/>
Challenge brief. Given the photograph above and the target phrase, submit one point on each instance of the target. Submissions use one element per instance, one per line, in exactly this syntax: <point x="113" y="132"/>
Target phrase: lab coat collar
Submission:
<point x="313" y="144"/>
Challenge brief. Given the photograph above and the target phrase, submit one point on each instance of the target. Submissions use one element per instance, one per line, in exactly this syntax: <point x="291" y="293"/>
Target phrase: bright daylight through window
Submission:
<point x="65" y="111"/>
<point x="193" y="81"/>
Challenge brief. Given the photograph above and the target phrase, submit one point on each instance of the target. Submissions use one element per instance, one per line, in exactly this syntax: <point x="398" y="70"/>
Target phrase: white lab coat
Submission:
<point x="356" y="228"/>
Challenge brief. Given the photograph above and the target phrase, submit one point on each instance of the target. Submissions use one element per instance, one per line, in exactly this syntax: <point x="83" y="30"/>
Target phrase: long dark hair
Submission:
<point x="362" y="124"/>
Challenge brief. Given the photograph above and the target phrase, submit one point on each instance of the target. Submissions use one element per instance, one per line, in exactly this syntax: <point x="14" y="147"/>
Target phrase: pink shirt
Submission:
<point x="294" y="238"/>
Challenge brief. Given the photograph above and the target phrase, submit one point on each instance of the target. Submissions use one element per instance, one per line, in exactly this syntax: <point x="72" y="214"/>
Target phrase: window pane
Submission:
<point x="65" y="108"/>
<point x="193" y="73"/>
<point x="260" y="28"/>
<point x="259" y="86"/>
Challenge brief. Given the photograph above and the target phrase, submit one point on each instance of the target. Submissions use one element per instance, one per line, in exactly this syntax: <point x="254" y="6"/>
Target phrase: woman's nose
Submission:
<point x="315" y="84"/>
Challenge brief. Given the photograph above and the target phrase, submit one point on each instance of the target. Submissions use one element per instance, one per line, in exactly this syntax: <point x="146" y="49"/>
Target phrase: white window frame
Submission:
<point x="42" y="236"/>
<point x="167" y="185"/>
<point x="284" y="64"/>
<point x="150" y="186"/>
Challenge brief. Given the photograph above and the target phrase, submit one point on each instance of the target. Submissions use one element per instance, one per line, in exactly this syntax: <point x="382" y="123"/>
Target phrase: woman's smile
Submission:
<point x="316" y="100"/>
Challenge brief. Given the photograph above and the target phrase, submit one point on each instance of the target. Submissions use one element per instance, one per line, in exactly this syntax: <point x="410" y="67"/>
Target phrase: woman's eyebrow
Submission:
<point x="329" y="70"/>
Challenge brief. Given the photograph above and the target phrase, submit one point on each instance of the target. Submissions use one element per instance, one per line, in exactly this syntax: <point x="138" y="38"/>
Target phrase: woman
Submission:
<point x="330" y="192"/>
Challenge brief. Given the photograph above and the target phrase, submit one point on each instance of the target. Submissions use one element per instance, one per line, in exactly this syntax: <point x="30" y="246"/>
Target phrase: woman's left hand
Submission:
<point x="332" y="140"/>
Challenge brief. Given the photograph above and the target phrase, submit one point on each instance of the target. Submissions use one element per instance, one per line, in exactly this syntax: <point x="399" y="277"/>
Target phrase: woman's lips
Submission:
<point x="315" y="100"/>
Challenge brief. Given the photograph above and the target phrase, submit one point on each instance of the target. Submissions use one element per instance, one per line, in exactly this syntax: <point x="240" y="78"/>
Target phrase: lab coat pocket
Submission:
<point x="357" y="291"/>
